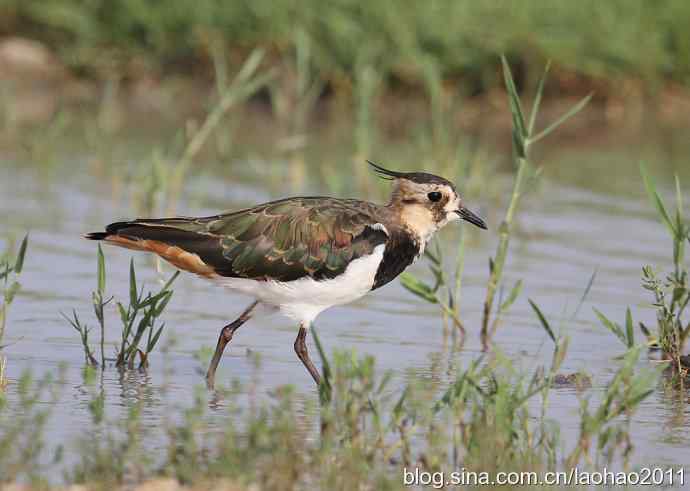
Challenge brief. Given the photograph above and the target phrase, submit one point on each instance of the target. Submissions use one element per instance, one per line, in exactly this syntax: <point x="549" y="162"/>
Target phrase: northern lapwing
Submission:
<point x="302" y="255"/>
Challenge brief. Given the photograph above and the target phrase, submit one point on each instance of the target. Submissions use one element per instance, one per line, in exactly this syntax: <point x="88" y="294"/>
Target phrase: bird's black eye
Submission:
<point x="434" y="196"/>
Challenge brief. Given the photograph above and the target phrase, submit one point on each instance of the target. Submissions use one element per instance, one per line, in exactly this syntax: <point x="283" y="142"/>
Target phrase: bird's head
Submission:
<point x="425" y="202"/>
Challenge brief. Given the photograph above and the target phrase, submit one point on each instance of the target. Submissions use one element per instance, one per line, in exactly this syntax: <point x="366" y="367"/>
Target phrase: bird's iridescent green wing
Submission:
<point x="294" y="238"/>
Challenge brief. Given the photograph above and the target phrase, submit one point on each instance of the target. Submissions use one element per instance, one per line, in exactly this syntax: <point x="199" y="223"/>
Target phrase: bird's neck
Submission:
<point x="415" y="220"/>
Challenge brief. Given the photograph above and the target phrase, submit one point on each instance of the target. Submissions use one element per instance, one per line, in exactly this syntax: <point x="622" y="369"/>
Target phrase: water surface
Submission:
<point x="571" y="225"/>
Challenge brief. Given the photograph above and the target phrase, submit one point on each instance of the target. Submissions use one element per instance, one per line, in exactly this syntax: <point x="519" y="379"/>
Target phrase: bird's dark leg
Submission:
<point x="225" y="337"/>
<point x="303" y="354"/>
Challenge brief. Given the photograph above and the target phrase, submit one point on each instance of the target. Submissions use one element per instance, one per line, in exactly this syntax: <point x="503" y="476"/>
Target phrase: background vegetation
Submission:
<point x="593" y="42"/>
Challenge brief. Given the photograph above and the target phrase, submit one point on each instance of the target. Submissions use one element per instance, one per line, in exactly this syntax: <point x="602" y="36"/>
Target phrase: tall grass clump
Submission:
<point x="671" y="295"/>
<point x="141" y="328"/>
<point x="524" y="136"/>
<point x="99" y="303"/>
<point x="10" y="268"/>
<point x="140" y="319"/>
<point x="670" y="292"/>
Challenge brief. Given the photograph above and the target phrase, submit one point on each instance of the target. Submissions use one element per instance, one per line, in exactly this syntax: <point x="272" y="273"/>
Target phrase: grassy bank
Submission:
<point x="406" y="43"/>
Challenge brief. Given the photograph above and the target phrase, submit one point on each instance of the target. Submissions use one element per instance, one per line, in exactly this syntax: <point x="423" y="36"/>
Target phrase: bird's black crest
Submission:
<point x="383" y="173"/>
<point x="418" y="177"/>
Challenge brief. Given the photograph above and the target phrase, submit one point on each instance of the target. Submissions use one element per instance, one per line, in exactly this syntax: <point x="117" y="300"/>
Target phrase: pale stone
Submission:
<point x="77" y="487"/>
<point x="159" y="485"/>
<point x="22" y="58"/>
<point x="14" y="487"/>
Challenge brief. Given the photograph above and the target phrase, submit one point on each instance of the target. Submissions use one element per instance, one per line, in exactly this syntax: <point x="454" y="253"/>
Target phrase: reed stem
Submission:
<point x="523" y="137"/>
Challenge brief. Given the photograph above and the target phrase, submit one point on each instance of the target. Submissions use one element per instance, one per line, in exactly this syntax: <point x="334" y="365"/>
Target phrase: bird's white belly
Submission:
<point x="306" y="298"/>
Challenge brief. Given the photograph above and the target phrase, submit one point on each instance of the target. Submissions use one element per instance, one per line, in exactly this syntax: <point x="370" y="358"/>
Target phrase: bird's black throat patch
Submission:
<point x="401" y="250"/>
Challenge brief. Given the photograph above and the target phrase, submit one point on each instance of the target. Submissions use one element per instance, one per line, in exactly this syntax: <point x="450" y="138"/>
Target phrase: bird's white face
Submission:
<point x="428" y="206"/>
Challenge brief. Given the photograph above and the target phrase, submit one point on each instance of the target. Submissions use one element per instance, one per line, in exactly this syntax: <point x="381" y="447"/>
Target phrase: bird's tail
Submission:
<point x="111" y="231"/>
<point x="142" y="229"/>
<point x="96" y="235"/>
<point x="131" y="239"/>
<point x="175" y="239"/>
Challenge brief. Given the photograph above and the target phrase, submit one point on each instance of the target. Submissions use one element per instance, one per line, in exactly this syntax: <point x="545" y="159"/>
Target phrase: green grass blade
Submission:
<point x="514" y="294"/>
<point x="680" y="227"/>
<point x="518" y="143"/>
<point x="101" y="271"/>
<point x="152" y="300"/>
<point x="630" y="404"/>
<point x="537" y="99"/>
<point x="544" y="323"/>
<point x="514" y="99"/>
<point x="645" y="330"/>
<point x="74" y="322"/>
<point x="629" y="334"/>
<point x="611" y="326"/>
<point x="11" y="292"/>
<point x="453" y="393"/>
<point x="397" y="409"/>
<point x="159" y="308"/>
<point x="152" y="343"/>
<point x="656" y="200"/>
<point x="569" y="114"/>
<point x="169" y="283"/>
<point x="133" y="297"/>
<point x="19" y="264"/>
<point x="679" y="197"/>
<point x="123" y="313"/>
<point x="585" y="294"/>
<point x="417" y="287"/>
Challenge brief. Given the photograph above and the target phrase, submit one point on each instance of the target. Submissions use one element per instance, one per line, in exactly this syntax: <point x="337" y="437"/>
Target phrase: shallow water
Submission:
<point x="565" y="231"/>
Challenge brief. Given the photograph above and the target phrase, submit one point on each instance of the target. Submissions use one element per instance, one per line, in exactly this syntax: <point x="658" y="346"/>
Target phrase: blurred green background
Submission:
<point x="598" y="42"/>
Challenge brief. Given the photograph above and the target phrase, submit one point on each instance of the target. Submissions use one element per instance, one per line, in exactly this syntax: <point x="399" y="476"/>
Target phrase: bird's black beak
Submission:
<point x="467" y="215"/>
